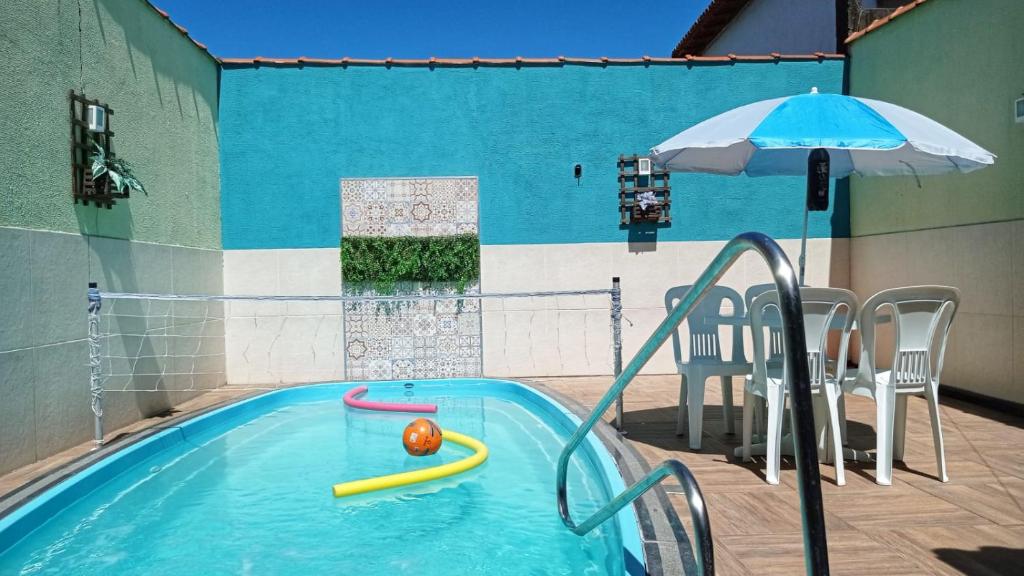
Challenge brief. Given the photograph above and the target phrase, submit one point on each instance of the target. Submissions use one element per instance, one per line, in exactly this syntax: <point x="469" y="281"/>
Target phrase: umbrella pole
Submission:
<point x="803" y="247"/>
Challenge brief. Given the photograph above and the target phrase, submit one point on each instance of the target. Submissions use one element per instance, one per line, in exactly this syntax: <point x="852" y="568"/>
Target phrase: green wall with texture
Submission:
<point x="163" y="90"/>
<point x="959" y="63"/>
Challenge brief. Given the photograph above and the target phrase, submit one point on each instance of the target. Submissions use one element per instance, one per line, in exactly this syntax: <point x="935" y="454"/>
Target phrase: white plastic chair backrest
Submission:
<point x="703" y="325"/>
<point x="921" y="318"/>
<point x="824" y="309"/>
<point x="772" y="318"/>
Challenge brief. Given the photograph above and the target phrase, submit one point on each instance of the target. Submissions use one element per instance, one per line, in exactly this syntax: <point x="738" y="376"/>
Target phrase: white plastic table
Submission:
<point x="820" y="415"/>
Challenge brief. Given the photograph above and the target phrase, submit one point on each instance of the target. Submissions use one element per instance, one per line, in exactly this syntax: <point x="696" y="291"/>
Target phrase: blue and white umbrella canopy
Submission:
<point x="864" y="137"/>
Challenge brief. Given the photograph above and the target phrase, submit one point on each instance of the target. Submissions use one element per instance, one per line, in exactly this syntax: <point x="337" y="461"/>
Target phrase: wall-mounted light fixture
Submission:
<point x="577" y="171"/>
<point x="96" y="118"/>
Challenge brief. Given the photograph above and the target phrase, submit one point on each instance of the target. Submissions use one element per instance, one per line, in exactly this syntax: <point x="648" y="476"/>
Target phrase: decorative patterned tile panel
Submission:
<point x="415" y="339"/>
<point x="409" y="206"/>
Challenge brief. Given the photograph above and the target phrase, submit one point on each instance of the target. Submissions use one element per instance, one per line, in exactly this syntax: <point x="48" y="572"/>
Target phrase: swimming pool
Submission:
<point x="246" y="489"/>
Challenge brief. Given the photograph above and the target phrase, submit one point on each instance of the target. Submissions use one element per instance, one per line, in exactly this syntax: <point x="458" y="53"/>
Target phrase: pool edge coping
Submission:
<point x="654" y="525"/>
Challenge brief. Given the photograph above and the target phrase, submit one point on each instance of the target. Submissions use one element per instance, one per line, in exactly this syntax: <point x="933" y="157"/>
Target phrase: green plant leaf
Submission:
<point x="116" y="179"/>
<point x="135" y="184"/>
<point x="384" y="261"/>
<point x="99" y="161"/>
<point x="119" y="171"/>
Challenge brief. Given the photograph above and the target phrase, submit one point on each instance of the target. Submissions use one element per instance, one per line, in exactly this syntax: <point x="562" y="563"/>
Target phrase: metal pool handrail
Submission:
<point x="808" y="478"/>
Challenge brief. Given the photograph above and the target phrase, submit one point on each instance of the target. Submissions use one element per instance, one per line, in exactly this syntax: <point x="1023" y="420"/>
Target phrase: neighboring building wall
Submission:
<point x="786" y="26"/>
<point x="163" y="90"/>
<point x="289" y="134"/>
<point x="962" y="230"/>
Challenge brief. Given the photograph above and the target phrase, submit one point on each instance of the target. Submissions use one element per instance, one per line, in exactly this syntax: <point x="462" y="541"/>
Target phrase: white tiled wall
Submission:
<point x="271" y="343"/>
<point x="44" y="373"/>
<point x="986" y="262"/>
<point x="572" y="335"/>
<point x="277" y="342"/>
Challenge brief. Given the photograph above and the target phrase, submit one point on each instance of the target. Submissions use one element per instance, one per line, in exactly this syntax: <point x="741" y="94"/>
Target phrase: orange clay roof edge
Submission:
<point x="521" y="61"/>
<point x="477" y="61"/>
<point x="183" y="31"/>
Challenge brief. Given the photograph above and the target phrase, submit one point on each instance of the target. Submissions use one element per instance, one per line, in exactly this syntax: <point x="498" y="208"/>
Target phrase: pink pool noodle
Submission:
<point x="351" y="400"/>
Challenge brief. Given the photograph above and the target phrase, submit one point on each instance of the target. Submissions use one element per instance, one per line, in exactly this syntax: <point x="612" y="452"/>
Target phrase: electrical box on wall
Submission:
<point x="643" y="166"/>
<point x="1018" y="110"/>
<point x="96" y="118"/>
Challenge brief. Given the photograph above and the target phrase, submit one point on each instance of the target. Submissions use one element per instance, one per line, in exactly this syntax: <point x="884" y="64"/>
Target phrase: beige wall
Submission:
<point x="283" y="342"/>
<point x="272" y="343"/>
<point x="572" y="335"/>
<point x="985" y="353"/>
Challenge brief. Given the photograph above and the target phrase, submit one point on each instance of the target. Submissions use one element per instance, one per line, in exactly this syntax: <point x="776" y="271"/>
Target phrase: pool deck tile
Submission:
<point x="973" y="524"/>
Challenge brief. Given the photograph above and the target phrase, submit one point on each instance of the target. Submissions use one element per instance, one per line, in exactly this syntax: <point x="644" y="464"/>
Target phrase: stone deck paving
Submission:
<point x="974" y="524"/>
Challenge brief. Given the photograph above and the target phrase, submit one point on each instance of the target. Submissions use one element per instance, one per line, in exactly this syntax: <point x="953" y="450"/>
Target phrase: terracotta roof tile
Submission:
<point x="183" y="31"/>
<point x="521" y="61"/>
<point x="708" y="26"/>
<point x="516" y="61"/>
<point x="875" y="25"/>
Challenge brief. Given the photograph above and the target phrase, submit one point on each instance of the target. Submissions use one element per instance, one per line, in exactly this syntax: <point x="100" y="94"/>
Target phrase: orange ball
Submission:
<point x="422" y="437"/>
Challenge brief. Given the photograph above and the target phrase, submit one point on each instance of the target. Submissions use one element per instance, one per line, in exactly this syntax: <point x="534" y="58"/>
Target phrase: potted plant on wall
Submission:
<point x="647" y="206"/>
<point x="115" y="171"/>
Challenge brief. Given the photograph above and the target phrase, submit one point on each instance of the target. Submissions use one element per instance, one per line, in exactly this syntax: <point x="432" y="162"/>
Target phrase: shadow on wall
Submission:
<point x="113" y="222"/>
<point x="133" y="338"/>
<point x="840" y="220"/>
<point x="643" y="237"/>
<point x="985" y="560"/>
<point x="179" y="85"/>
<point x="141" y="28"/>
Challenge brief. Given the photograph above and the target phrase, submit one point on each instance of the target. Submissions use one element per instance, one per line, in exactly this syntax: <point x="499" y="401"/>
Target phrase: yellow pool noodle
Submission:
<point x="422" y="475"/>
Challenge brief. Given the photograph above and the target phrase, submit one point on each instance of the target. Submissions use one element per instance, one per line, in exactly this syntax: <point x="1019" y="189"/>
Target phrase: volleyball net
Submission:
<point x="187" y="344"/>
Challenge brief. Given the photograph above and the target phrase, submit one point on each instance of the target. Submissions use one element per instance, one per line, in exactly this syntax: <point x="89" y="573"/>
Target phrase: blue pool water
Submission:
<point x="247" y="490"/>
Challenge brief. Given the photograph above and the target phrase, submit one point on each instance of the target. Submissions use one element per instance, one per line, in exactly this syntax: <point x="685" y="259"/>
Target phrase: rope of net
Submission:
<point x="151" y="338"/>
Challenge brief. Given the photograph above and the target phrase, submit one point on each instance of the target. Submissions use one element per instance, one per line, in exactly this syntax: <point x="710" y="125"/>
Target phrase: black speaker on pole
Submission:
<point x="817" y="180"/>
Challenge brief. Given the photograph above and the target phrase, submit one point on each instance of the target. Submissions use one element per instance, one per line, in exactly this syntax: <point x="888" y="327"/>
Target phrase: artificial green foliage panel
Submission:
<point x="383" y="261"/>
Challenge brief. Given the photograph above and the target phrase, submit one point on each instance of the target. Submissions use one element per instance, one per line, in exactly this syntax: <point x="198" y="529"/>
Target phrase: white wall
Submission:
<point x="44" y="371"/>
<point x="986" y="262"/>
<point x="571" y="336"/>
<point x="786" y="26"/>
<point x="273" y="343"/>
<point x="278" y="342"/>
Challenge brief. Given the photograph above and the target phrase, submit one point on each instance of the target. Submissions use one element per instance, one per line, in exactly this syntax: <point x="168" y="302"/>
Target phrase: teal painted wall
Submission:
<point x="163" y="90"/>
<point x="289" y="134"/>
<point x="970" y="90"/>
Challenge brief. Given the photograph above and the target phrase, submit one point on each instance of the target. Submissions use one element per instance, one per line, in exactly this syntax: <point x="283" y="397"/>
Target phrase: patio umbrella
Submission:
<point x="856" y="136"/>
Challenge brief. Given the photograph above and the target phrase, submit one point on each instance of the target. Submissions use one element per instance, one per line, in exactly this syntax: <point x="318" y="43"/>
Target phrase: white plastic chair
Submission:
<point x="706" y="357"/>
<point x="921" y="318"/>
<point x="821" y="306"/>
<point x="772" y="319"/>
<point x="775" y="353"/>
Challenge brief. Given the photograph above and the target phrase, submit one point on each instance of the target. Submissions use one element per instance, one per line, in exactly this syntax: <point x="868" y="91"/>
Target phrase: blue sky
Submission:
<point x="442" y="28"/>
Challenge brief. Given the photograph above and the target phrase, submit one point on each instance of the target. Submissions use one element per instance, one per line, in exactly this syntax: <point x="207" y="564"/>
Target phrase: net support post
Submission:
<point x="95" y="375"/>
<point x="617" y="344"/>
